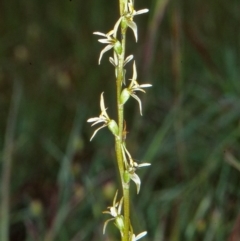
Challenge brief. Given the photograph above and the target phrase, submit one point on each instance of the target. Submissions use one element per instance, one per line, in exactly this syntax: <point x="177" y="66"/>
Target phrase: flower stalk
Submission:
<point x="126" y="165"/>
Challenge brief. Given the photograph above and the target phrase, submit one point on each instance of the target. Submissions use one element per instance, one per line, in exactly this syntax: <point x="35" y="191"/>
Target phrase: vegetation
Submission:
<point x="49" y="79"/>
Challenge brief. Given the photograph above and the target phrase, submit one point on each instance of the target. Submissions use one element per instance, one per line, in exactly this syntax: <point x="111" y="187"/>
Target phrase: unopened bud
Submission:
<point x="126" y="177"/>
<point x="113" y="127"/>
<point x="124" y="96"/>
<point x="119" y="222"/>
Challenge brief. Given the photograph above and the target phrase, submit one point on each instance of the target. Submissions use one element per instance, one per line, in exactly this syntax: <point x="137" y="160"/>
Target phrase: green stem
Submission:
<point x="126" y="211"/>
<point x="119" y="139"/>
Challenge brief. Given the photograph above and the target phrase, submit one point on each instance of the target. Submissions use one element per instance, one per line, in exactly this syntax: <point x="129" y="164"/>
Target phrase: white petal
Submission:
<point x="144" y="165"/>
<point x="128" y="59"/>
<point x="108" y="47"/>
<point x="137" y="181"/>
<point x="103" y="108"/>
<point x="145" y="10"/>
<point x="102" y="104"/>
<point x="106" y="223"/>
<point x="113" y="211"/>
<point x="99" y="33"/>
<point x="107" y="212"/>
<point x="115" y="29"/>
<point x="111" y="32"/>
<point x="111" y="60"/>
<point x="99" y="121"/>
<point x="92" y="119"/>
<point x="120" y="206"/>
<point x="129" y="156"/>
<point x="140" y="235"/>
<point x="115" y="198"/>
<point x="138" y="89"/>
<point x="105" y="41"/>
<point x="134" y="71"/>
<point x="133" y="26"/>
<point x="95" y="132"/>
<point x="145" y="85"/>
<point x="139" y="102"/>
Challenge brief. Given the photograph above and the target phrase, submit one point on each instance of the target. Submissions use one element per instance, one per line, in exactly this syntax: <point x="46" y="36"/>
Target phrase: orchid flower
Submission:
<point x="133" y="87"/>
<point x="103" y="117"/>
<point x="132" y="166"/>
<point x="110" y="40"/>
<point x="115" y="212"/>
<point x="129" y="13"/>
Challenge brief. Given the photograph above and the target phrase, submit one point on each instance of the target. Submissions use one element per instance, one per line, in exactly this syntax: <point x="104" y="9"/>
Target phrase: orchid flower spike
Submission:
<point x="103" y="117"/>
<point x="133" y="87"/>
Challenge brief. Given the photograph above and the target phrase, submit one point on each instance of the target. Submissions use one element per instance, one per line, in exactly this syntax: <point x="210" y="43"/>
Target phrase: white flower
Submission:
<point x="127" y="18"/>
<point x="103" y="117"/>
<point x="129" y="13"/>
<point x="133" y="87"/>
<point x="115" y="212"/>
<point x="131" y="170"/>
<point x="111" y="42"/>
<point x="132" y="166"/>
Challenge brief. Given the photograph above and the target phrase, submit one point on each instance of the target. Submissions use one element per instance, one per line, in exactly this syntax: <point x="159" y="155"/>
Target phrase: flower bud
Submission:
<point x="119" y="222"/>
<point x="126" y="176"/>
<point x="118" y="47"/>
<point x="113" y="127"/>
<point x="124" y="96"/>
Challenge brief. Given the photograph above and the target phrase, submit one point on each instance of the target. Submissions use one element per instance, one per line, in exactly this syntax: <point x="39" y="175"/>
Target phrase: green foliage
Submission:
<point x="189" y="129"/>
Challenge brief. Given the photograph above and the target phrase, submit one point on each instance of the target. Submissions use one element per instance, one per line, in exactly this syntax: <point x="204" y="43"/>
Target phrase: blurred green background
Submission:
<point x="50" y="84"/>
